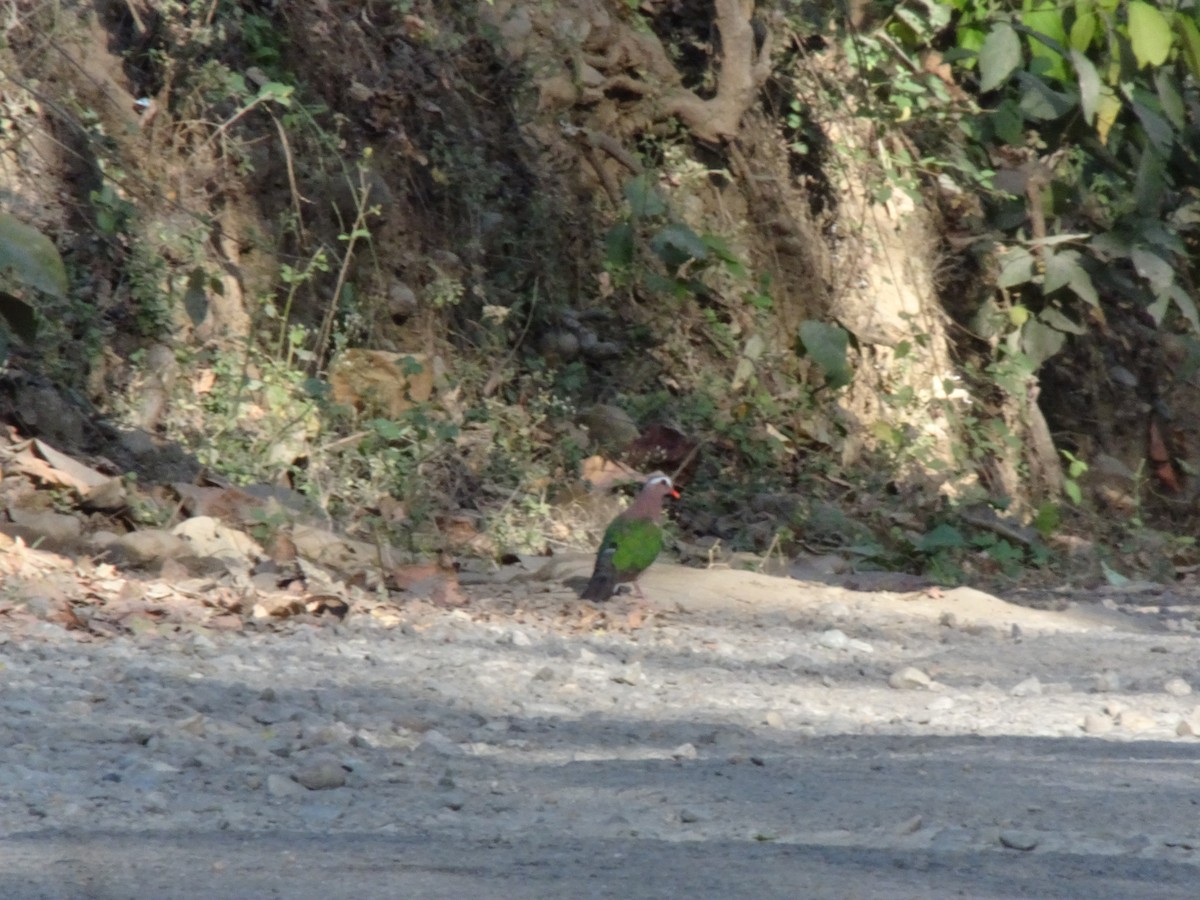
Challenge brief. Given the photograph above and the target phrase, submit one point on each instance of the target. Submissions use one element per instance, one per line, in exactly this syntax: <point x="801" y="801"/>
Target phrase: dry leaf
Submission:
<point x="606" y="473"/>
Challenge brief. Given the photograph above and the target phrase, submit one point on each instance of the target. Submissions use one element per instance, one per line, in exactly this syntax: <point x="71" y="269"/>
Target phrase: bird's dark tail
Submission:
<point x="603" y="583"/>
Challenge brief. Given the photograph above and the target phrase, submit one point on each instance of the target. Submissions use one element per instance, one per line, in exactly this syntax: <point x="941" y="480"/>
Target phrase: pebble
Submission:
<point x="1018" y="840"/>
<point x="834" y="639"/>
<point x="433" y="741"/>
<point x="280" y="786"/>
<point x="1177" y="687"/>
<point x="322" y="776"/>
<point x="909" y="678"/>
<point x="1030" y="687"/>
<point x="1132" y="720"/>
<point x="1097" y="723"/>
<point x="1106" y="683"/>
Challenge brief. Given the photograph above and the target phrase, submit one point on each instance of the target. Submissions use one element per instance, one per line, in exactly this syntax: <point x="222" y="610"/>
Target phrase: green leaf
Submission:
<point x="1149" y="33"/>
<point x="1046" y="45"/>
<point x="1187" y="306"/>
<point x="1016" y="267"/>
<point x="1071" y="489"/>
<point x="827" y="345"/>
<point x="20" y="318"/>
<point x="1158" y="129"/>
<point x="1189" y="31"/>
<point x="999" y="57"/>
<point x="643" y="196"/>
<point x="1155" y="269"/>
<point x="31" y="257"/>
<point x="1171" y="98"/>
<point x="1089" y="85"/>
<point x="676" y="244"/>
<point x="618" y="246"/>
<point x="1083" y="29"/>
<point x="1151" y="183"/>
<point x="1040" y="102"/>
<point x="942" y="537"/>
<point x="274" y="90"/>
<point x="1047" y="519"/>
<point x="1040" y="342"/>
<point x="1008" y="123"/>
<point x="1059" y="322"/>
<point x="1111" y="575"/>
<point x="721" y="250"/>
<point x="1059" y="268"/>
<point x="195" y="297"/>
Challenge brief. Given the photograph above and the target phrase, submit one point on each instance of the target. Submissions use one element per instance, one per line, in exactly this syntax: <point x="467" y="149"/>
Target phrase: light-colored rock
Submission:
<point x="1177" y="687"/>
<point x="1030" y="687"/>
<point x="909" y="678"/>
<point x="1133" y="720"/>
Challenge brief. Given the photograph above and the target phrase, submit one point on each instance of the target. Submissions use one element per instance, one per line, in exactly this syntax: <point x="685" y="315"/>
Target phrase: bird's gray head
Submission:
<point x="660" y="485"/>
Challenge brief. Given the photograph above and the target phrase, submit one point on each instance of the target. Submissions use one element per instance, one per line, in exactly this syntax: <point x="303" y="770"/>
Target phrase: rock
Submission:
<point x="911" y="825"/>
<point x="1189" y="725"/>
<point x="1107" y="683"/>
<point x="610" y="427"/>
<point x="684" y="751"/>
<point x="150" y="545"/>
<point x="1097" y="723"/>
<point x="1132" y="720"/>
<point x="1177" y="687"/>
<point x="834" y="639"/>
<point x="207" y="536"/>
<point x="1030" y="687"/>
<point x="321" y="776"/>
<point x="910" y="678"/>
<point x="1018" y="840"/>
<point x="437" y="743"/>
<point x="279" y="786"/>
<point x="44" y="525"/>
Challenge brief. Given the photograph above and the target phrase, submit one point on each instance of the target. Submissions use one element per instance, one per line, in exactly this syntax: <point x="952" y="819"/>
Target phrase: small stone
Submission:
<point x="773" y="719"/>
<point x="1189" y="726"/>
<point x="1132" y="720"/>
<point x="910" y="826"/>
<point x="1018" y="840"/>
<point x="279" y="786"/>
<point x="1114" y="708"/>
<point x="687" y="816"/>
<point x="1097" y="723"/>
<point x="1107" y="683"/>
<point x="437" y="743"/>
<point x="1030" y="687"/>
<point x="155" y="802"/>
<point x="322" y="776"/>
<point x="910" y="678"/>
<point x="684" y="751"/>
<point x="1177" y="687"/>
<point x="834" y="639"/>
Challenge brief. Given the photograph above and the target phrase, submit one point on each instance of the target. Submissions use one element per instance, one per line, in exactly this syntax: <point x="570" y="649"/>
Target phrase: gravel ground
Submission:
<point x="737" y="736"/>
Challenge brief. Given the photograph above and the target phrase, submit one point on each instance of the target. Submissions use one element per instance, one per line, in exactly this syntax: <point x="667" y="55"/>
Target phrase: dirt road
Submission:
<point x="739" y="736"/>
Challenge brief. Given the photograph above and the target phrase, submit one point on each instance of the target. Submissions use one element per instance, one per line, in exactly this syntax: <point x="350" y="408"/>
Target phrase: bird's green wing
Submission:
<point x="636" y="544"/>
